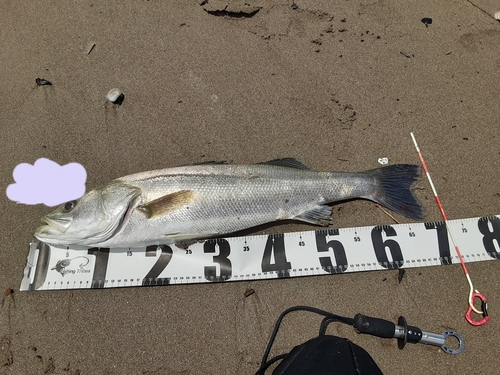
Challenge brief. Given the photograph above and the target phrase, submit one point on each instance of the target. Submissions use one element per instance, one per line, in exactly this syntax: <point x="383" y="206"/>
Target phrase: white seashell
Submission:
<point x="497" y="16"/>
<point x="115" y="96"/>
<point x="383" y="160"/>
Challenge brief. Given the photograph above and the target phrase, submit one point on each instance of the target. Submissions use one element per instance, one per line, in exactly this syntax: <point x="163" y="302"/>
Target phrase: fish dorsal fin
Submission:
<point x="211" y="162"/>
<point x="167" y="203"/>
<point x="287" y="162"/>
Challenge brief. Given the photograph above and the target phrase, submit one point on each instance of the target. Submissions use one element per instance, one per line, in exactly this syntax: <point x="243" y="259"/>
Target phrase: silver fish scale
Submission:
<point x="229" y="198"/>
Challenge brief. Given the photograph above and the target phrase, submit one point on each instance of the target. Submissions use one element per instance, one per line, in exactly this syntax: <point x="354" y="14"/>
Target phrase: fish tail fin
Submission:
<point x="394" y="189"/>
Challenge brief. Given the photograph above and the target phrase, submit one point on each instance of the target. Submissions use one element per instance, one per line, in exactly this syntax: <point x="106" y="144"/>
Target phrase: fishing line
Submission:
<point x="472" y="292"/>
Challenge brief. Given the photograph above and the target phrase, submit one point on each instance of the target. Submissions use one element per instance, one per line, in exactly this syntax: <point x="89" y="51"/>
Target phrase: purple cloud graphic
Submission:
<point x="47" y="182"/>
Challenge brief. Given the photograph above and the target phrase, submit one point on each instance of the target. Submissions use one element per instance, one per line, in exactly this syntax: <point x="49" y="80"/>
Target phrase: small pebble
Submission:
<point x="426" y="21"/>
<point x="43" y="82"/>
<point x="115" y="96"/>
<point x="249" y="292"/>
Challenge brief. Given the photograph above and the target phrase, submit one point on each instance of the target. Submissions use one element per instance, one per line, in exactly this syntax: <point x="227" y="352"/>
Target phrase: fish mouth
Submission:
<point x="53" y="224"/>
<point x="44" y="233"/>
<point x="49" y="234"/>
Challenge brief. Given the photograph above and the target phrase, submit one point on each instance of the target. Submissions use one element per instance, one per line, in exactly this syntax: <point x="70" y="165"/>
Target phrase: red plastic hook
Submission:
<point x="484" y="308"/>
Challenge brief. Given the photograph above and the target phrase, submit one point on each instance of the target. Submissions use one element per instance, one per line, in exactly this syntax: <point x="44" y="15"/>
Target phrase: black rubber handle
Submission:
<point x="374" y="326"/>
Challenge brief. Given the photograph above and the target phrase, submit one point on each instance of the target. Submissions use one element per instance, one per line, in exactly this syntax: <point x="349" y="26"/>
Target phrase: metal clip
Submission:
<point x="405" y="333"/>
<point x="484" y="308"/>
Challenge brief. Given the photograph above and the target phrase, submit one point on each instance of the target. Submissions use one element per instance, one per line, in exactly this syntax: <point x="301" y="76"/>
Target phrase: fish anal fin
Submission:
<point x="167" y="203"/>
<point x="319" y="215"/>
<point x="287" y="162"/>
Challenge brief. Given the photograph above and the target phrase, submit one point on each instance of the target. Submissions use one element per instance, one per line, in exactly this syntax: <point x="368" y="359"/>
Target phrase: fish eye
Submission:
<point x="68" y="206"/>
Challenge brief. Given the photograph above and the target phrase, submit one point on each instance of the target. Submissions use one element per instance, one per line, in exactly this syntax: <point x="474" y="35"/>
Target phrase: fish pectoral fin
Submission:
<point x="167" y="203"/>
<point x="287" y="162"/>
<point x="319" y="215"/>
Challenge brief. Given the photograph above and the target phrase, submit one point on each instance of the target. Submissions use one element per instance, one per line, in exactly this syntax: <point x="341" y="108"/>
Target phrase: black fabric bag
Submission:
<point x="330" y="355"/>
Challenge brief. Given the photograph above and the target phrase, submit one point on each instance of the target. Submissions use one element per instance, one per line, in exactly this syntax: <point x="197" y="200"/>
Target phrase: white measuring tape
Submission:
<point x="310" y="253"/>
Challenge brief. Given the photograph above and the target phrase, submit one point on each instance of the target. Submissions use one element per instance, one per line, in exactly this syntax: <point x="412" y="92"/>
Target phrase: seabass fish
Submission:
<point x="200" y="201"/>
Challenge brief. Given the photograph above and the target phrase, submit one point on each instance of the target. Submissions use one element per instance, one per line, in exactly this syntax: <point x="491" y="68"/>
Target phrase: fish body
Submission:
<point x="201" y="201"/>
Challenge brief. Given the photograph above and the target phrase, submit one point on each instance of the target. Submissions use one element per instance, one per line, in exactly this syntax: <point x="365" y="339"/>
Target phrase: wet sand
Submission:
<point x="337" y="85"/>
